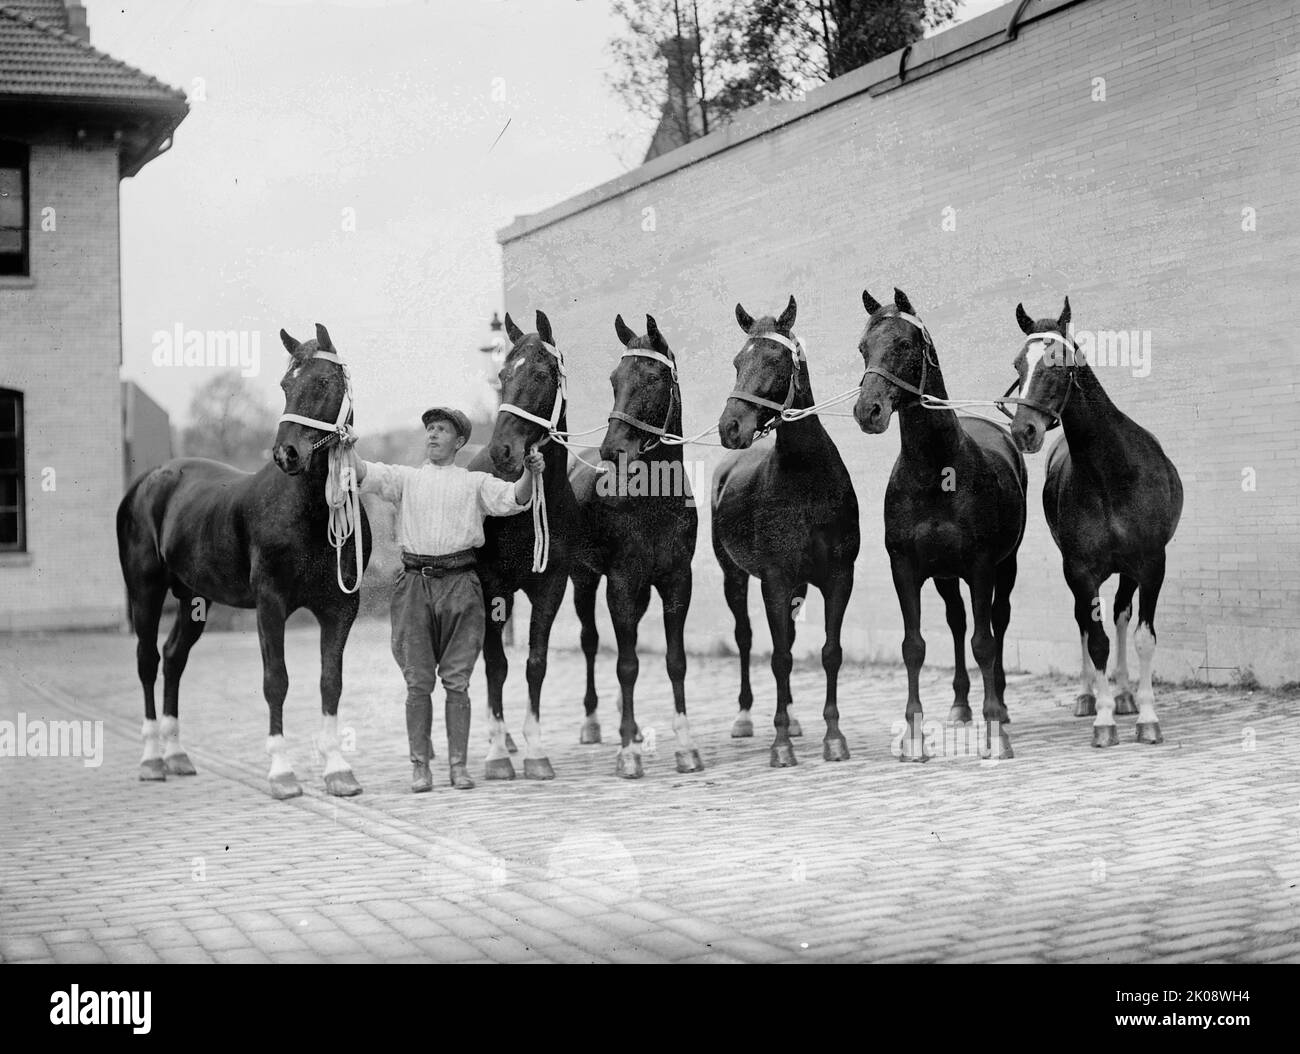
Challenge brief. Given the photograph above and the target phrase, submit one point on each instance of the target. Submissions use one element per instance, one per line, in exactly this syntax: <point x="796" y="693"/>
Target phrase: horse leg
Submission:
<point x="1124" y="703"/>
<point x="627" y="604"/>
<point x="1153" y="577"/>
<point x="191" y="618"/>
<point x="1004" y="583"/>
<point x="498" y="765"/>
<point x="334" y="629"/>
<point x="275" y="686"/>
<point x="675" y="595"/>
<point x="907" y="585"/>
<point x="955" y="610"/>
<point x="835" y="596"/>
<point x="777" y="596"/>
<point x="1085" y="586"/>
<point x="146" y="611"/>
<point x="797" y="602"/>
<point x="995" y="743"/>
<point x="584" y="602"/>
<point x="546" y="602"/>
<point x="735" y="587"/>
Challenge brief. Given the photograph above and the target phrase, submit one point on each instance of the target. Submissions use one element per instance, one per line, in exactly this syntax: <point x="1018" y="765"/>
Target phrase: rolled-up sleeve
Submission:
<point x="386" y="481"/>
<point x="496" y="497"/>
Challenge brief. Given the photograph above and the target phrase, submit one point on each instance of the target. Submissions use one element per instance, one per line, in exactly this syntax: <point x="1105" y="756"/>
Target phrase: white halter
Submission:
<point x="341" y="492"/>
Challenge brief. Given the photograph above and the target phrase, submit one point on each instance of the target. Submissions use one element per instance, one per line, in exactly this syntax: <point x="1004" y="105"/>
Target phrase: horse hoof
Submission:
<point x="835" y="749"/>
<point x="510" y="744"/>
<point x="499" y="769"/>
<point x="628" y="765"/>
<point x="959" y="715"/>
<point x="1149" y="732"/>
<point x="795" y="729"/>
<point x="1125" y="703"/>
<point x="538" y="769"/>
<point x="1105" y="735"/>
<point x="1085" y="706"/>
<point x="180" y="765"/>
<point x="285" y="787"/>
<point x="783" y="756"/>
<point x="997" y="748"/>
<point x="342" y="784"/>
<point x="590" y="731"/>
<point x="152" y="770"/>
<point x="689" y="761"/>
<point x="742" y="727"/>
<point x="912" y="748"/>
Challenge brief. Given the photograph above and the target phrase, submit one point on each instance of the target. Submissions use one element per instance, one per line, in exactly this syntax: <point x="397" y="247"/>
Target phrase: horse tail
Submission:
<point x="135" y="531"/>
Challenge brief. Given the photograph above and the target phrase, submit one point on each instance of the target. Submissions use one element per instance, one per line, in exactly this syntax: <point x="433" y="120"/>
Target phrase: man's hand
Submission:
<point x="534" y="462"/>
<point x="533" y="465"/>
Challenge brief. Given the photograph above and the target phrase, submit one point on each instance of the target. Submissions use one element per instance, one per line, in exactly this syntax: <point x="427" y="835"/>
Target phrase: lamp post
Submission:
<point x="496" y="349"/>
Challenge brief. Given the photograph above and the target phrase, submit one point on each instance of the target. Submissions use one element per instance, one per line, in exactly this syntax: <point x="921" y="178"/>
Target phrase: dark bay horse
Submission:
<point x="533" y="402"/>
<point x="214" y="534"/>
<point x="954" y="509"/>
<point x="786" y="514"/>
<point x="639" y="531"/>
<point x="1112" y="500"/>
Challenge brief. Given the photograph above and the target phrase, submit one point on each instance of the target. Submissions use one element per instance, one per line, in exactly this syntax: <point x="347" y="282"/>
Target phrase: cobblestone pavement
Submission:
<point x="1189" y="851"/>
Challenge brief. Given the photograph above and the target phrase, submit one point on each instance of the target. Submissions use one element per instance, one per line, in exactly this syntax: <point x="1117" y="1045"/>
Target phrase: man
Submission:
<point x="438" y="617"/>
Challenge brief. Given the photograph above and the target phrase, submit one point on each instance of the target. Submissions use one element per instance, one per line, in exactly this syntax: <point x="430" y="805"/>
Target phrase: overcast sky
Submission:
<point x="302" y="109"/>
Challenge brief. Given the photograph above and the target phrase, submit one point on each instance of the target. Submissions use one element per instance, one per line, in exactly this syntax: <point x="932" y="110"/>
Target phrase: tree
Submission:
<point x="230" y="423"/>
<point x="692" y="64"/>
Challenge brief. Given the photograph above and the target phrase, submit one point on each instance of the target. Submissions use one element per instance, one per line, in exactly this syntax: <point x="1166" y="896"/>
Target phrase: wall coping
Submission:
<point x="922" y="59"/>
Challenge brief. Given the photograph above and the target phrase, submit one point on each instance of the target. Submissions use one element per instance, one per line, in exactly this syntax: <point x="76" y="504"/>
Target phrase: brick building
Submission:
<point x="1142" y="156"/>
<point x="74" y="122"/>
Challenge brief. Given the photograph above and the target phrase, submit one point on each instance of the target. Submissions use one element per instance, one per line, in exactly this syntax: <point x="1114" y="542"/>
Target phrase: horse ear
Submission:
<point x="290" y="345"/>
<point x="1026" y="323"/>
<point x="787" y="316"/>
<point x="512" y="331"/>
<point x="624" y="334"/>
<point x="544" y="328"/>
<point x="902" y="303"/>
<point x="1064" y="320"/>
<point x="745" y="319"/>
<point x="652" y="331"/>
<point x="323" y="338"/>
<point x="870" y="303"/>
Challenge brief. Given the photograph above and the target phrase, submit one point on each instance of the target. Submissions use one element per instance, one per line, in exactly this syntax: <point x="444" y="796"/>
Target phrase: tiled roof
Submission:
<point x="40" y="59"/>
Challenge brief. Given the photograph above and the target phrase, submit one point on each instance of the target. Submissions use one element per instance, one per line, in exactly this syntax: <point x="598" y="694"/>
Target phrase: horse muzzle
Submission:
<point x="872" y="414"/>
<point x="737" y="425"/>
<point x="1028" y="430"/>
<point x="289" y="460"/>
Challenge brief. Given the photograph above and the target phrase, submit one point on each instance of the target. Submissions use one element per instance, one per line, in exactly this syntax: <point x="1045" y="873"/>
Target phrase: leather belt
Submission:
<point x="437" y="566"/>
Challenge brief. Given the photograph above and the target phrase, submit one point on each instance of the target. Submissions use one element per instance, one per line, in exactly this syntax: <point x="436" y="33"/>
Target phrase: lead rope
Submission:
<point x="541" y="523"/>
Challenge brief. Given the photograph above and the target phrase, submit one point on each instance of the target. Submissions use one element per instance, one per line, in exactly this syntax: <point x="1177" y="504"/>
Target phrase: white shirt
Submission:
<point x="440" y="507"/>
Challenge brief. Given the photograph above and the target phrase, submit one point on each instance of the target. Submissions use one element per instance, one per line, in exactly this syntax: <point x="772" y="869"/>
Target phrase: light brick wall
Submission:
<point x="60" y="344"/>
<point x="1132" y="206"/>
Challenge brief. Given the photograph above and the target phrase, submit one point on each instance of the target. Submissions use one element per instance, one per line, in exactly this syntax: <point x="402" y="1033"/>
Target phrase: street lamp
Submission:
<point x="496" y="348"/>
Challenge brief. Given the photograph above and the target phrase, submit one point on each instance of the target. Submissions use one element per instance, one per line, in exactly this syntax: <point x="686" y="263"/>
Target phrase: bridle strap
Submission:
<point x="1053" y="413"/>
<point x="926" y="360"/>
<point x="797" y="355"/>
<point x="645" y="426"/>
<point x="561" y="396"/>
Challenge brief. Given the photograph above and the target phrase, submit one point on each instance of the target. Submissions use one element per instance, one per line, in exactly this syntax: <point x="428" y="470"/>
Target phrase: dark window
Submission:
<point x="13" y="508"/>
<point x="13" y="209"/>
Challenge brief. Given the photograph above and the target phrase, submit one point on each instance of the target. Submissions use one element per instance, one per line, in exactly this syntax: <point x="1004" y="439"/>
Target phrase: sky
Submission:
<point x="344" y="162"/>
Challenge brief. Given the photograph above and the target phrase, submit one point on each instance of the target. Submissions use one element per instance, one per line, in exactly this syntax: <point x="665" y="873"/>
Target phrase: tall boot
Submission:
<point x="458" y="713"/>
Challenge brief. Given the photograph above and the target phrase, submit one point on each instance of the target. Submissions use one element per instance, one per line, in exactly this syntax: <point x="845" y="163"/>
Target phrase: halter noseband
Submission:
<point x="926" y="360"/>
<point x="1053" y="414"/>
<point x="658" y="433"/>
<point x="797" y="355"/>
<point x="340" y="430"/>
<point x="561" y="396"/>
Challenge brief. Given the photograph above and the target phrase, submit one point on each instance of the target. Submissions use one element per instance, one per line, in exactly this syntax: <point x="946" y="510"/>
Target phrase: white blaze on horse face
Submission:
<point x="1035" y="351"/>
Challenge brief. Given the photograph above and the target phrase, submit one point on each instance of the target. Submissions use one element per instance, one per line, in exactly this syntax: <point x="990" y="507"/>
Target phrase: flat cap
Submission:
<point x="447" y="413"/>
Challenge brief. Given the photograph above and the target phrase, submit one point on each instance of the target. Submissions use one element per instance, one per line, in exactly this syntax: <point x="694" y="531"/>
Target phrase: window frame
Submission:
<point x="18" y="155"/>
<point x="19" y="471"/>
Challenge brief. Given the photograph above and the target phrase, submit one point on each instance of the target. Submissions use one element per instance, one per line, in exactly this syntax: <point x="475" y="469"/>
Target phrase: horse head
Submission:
<point x="898" y="354"/>
<point x="646" y="398"/>
<point x="533" y="394"/>
<point x="1046" y="366"/>
<point x="315" y="387"/>
<point x="770" y="369"/>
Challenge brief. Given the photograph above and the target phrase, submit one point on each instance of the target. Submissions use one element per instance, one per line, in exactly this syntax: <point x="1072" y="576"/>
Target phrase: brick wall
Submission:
<point x="60" y="344"/>
<point x="1132" y="205"/>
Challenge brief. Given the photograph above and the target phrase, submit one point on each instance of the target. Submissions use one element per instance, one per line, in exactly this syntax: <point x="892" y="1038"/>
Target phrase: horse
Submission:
<point x="514" y="554"/>
<point x="639" y="535"/>
<point x="214" y="534"/>
<point x="954" y="510"/>
<point x="786" y="514"/>
<point x="1112" y="500"/>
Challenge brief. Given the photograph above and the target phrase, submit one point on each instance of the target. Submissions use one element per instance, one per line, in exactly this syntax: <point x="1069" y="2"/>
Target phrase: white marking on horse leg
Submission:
<point x="170" y="729"/>
<point x="152" y="741"/>
<point x="280" y="763"/>
<point x="497" y="748"/>
<point x="533" y="737"/>
<point x="1145" y="642"/>
<point x="682" y="729"/>
<point x="1105" y="700"/>
<point x="1121" y="651"/>
<point x="1085" y="666"/>
<point x="331" y="749"/>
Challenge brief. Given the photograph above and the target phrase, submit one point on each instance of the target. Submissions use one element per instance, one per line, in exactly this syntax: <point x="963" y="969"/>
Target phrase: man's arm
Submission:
<point x="386" y="481"/>
<point x="500" y="497"/>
